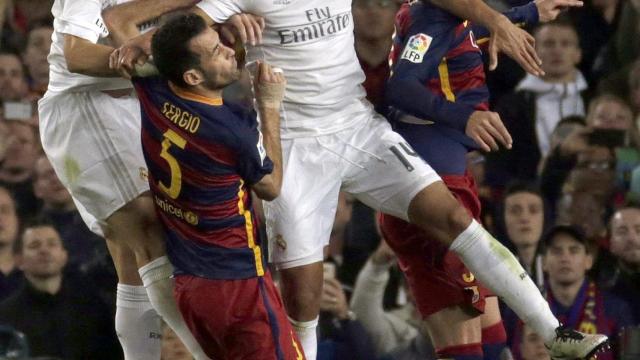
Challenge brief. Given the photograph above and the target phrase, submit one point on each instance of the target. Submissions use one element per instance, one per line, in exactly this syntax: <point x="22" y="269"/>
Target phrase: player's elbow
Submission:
<point x="73" y="54"/>
<point x="267" y="189"/>
<point x="113" y="19"/>
<point x="268" y="194"/>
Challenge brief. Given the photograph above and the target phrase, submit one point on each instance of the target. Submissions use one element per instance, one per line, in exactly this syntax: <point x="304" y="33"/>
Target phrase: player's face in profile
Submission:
<point x="217" y="62"/>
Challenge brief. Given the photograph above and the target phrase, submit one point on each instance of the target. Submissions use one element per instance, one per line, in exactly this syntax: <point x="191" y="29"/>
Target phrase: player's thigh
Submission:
<point x="387" y="173"/>
<point x="93" y="143"/>
<point x="247" y="320"/>
<point x="269" y="336"/>
<point x="299" y="221"/>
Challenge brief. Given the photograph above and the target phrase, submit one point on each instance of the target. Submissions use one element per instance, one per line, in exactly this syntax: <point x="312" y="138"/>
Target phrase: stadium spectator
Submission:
<point x="397" y="333"/>
<point x="582" y="209"/>
<point x="16" y="171"/>
<point x="35" y="57"/>
<point x="623" y="277"/>
<point x="609" y="123"/>
<point x="13" y="81"/>
<point x="532" y="346"/>
<point x="10" y="276"/>
<point x="577" y="301"/>
<point x="596" y="23"/>
<point x="524" y="217"/>
<point x="536" y="106"/>
<point x="59" y="208"/>
<point x="341" y="334"/>
<point x="57" y="310"/>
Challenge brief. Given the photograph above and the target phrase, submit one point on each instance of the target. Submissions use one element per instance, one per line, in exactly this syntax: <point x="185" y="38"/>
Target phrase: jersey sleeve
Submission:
<point x="221" y="10"/>
<point x="425" y="46"/>
<point x="82" y="19"/>
<point x="252" y="163"/>
<point x="525" y="15"/>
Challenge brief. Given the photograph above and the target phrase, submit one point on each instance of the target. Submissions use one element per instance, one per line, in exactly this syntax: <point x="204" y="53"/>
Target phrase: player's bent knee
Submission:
<point x="458" y="219"/>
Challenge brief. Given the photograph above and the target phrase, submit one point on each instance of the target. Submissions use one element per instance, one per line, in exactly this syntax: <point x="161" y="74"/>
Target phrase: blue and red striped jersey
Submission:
<point x="438" y="76"/>
<point x="202" y="157"/>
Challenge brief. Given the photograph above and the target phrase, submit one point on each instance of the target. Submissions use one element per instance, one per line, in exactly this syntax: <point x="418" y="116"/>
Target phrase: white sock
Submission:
<point x="497" y="268"/>
<point x="306" y="331"/>
<point x="157" y="279"/>
<point x="137" y="324"/>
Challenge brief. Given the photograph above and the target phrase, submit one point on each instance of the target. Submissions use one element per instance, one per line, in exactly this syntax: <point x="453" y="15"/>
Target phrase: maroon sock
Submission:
<point x="461" y="352"/>
<point x="494" y="340"/>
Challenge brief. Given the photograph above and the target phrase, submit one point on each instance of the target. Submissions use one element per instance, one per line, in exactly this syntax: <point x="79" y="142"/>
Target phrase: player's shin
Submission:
<point x="157" y="280"/>
<point x="138" y="326"/>
<point x="501" y="272"/>
<point x="306" y="331"/>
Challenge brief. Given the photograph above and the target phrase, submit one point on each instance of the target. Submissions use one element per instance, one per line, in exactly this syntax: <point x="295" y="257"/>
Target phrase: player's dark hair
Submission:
<point x="170" y="47"/>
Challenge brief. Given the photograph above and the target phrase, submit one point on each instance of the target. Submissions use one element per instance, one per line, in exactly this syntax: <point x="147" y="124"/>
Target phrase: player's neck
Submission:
<point x="373" y="51"/>
<point x="565" y="293"/>
<point x="209" y="93"/>
<point x="199" y="90"/>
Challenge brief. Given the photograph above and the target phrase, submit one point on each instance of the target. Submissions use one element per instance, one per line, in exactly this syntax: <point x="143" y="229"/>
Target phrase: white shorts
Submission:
<point x="93" y="143"/>
<point x="369" y="161"/>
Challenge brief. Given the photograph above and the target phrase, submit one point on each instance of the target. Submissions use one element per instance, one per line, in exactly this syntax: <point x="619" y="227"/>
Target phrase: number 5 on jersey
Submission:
<point x="171" y="137"/>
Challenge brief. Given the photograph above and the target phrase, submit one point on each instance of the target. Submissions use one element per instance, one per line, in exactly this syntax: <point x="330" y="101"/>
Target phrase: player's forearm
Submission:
<point x="474" y="10"/>
<point x="87" y="58"/>
<point x="402" y="94"/>
<point x="123" y="20"/>
<point x="270" y="128"/>
<point x="525" y="15"/>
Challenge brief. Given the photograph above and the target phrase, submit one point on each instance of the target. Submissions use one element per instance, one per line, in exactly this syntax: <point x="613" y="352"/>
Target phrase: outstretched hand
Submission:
<point x="515" y="43"/>
<point x="487" y="130"/>
<point x="548" y="10"/>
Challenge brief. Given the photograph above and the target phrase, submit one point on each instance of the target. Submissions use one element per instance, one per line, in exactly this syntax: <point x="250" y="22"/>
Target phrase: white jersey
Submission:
<point x="312" y="41"/>
<point x="81" y="18"/>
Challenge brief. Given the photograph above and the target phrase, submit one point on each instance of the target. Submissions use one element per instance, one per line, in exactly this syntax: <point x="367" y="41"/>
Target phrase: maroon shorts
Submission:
<point x="436" y="276"/>
<point x="237" y="319"/>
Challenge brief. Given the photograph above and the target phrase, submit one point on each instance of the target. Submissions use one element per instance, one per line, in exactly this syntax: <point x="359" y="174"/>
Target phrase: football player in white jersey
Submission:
<point x="332" y="140"/>
<point x="90" y="131"/>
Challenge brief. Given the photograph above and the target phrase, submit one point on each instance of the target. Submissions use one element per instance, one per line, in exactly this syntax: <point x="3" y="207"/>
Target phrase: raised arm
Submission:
<point x="417" y="62"/>
<point x="529" y="14"/>
<point x="505" y="36"/>
<point x="123" y="20"/>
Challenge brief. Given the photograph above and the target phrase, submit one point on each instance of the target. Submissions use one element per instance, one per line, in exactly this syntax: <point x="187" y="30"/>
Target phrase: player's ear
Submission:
<point x="193" y="77"/>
